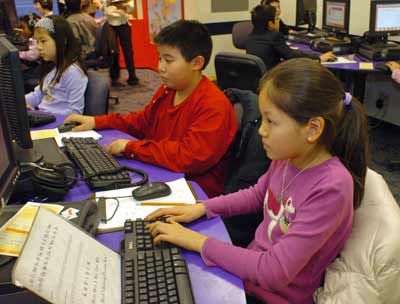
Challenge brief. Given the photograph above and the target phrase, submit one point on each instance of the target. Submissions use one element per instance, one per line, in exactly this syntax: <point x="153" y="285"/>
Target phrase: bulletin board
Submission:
<point x="162" y="13"/>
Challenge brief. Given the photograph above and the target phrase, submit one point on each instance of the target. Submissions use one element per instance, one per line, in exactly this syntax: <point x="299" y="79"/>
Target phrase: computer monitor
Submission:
<point x="385" y="17"/>
<point x="9" y="171"/>
<point x="336" y="16"/>
<point x="12" y="98"/>
<point x="306" y="13"/>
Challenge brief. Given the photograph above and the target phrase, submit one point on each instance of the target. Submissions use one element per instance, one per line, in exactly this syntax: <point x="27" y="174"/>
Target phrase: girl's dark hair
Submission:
<point x="189" y="36"/>
<point x="303" y="88"/>
<point x="30" y="19"/>
<point x="261" y="15"/>
<point x="46" y="4"/>
<point x="68" y="50"/>
<point x="268" y="2"/>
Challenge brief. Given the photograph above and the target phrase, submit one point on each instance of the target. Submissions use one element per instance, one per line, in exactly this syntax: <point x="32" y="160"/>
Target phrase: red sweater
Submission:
<point x="192" y="137"/>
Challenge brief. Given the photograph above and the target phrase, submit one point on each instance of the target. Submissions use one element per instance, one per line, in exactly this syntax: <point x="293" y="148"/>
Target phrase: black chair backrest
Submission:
<point x="96" y="94"/>
<point x="240" y="32"/>
<point x="236" y="70"/>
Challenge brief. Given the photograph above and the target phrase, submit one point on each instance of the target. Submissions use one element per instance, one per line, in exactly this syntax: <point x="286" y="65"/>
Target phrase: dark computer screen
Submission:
<point x="385" y="17"/>
<point x="306" y="11"/>
<point x="336" y="15"/>
<point x="8" y="167"/>
<point x="12" y="93"/>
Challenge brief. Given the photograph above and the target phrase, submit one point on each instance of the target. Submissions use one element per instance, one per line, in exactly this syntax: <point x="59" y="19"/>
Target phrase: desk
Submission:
<point x="354" y="76"/>
<point x="209" y="284"/>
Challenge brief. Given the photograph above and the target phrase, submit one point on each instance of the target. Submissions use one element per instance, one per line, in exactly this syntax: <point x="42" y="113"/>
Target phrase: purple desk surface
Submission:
<point x="209" y="284"/>
<point x="339" y="66"/>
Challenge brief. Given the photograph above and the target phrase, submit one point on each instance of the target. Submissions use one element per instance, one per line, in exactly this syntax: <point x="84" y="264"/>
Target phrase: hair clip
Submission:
<point x="347" y="99"/>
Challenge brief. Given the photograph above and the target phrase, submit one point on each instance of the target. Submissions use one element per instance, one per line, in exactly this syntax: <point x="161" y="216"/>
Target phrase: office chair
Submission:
<point x="240" y="31"/>
<point x="96" y="94"/>
<point x="236" y="70"/>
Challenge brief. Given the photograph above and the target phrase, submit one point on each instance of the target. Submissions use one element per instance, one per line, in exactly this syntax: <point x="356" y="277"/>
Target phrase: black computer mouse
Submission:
<point x="151" y="190"/>
<point x="66" y="127"/>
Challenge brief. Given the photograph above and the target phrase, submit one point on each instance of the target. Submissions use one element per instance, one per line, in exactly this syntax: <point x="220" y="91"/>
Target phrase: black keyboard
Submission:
<point x="100" y="170"/>
<point x="153" y="274"/>
<point x="39" y="119"/>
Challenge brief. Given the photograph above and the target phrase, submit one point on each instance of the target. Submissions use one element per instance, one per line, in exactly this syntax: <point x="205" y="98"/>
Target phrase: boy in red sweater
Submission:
<point x="189" y="124"/>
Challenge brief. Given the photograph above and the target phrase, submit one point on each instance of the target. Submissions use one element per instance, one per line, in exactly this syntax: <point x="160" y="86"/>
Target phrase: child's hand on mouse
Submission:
<point x="329" y="56"/>
<point x="175" y="233"/>
<point x="117" y="147"/>
<point x="393" y="65"/>
<point x="85" y="122"/>
<point x="181" y="214"/>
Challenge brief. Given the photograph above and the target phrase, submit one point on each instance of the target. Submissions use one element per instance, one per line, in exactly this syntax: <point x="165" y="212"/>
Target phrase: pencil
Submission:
<point x="162" y="204"/>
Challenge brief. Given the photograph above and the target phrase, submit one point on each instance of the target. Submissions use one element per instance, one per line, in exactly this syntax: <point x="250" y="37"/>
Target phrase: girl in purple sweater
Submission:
<point x="316" y="136"/>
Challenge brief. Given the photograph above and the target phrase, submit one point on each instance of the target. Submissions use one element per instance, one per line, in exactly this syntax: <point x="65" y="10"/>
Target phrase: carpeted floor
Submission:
<point x="384" y="137"/>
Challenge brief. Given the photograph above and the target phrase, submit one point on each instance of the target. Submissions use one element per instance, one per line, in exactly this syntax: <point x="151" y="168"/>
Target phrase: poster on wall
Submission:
<point x="162" y="13"/>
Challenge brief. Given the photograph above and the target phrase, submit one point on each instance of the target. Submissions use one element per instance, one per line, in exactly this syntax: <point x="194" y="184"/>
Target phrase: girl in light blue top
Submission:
<point x="63" y="82"/>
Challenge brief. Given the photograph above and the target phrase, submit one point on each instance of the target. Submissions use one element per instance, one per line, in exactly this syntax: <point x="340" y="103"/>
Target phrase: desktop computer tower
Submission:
<point x="381" y="99"/>
<point x="379" y="51"/>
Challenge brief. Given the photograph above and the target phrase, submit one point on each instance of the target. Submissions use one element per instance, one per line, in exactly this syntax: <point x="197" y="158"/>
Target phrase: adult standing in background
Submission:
<point x="117" y="13"/>
<point x="44" y="7"/>
<point x="83" y="26"/>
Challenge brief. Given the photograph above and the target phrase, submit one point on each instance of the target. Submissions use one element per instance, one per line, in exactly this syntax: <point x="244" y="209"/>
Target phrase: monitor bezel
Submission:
<point x="372" y="19"/>
<point x="10" y="176"/>
<point x="333" y="29"/>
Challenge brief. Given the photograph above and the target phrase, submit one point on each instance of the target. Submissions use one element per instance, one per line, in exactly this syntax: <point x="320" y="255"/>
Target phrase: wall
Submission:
<point x="201" y="10"/>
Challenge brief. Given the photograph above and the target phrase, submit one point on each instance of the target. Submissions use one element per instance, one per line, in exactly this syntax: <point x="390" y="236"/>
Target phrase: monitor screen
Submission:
<point x="336" y="15"/>
<point x="8" y="168"/>
<point x="304" y="10"/>
<point x="387" y="17"/>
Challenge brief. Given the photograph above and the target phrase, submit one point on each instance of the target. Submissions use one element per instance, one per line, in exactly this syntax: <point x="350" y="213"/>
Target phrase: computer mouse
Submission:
<point x="66" y="127"/>
<point x="151" y="190"/>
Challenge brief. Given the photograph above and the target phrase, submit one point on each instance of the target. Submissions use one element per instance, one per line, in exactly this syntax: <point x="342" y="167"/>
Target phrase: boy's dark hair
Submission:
<point x="268" y="2"/>
<point x="319" y="93"/>
<point x="68" y="50"/>
<point x="46" y="4"/>
<point x="261" y="15"/>
<point x="189" y="36"/>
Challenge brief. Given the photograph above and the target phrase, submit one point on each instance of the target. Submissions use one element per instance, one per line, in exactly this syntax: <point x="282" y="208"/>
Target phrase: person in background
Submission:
<point x="44" y="7"/>
<point x="30" y="64"/>
<point x="283" y="27"/>
<point x="83" y="25"/>
<point x="63" y="83"/>
<point x="116" y="12"/>
<point x="28" y="23"/>
<point x="90" y="7"/>
<point x="395" y="68"/>
<point x="269" y="44"/>
<point x="317" y="138"/>
<point x="189" y="124"/>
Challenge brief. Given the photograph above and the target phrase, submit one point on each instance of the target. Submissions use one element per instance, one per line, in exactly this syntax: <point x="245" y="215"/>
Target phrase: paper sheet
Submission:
<point x="13" y="233"/>
<point x="47" y="133"/>
<point x="129" y="208"/>
<point x="340" y="60"/>
<point x="63" y="264"/>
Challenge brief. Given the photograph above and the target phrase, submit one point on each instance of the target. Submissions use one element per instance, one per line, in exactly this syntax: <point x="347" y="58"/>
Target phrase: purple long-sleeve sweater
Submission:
<point x="297" y="239"/>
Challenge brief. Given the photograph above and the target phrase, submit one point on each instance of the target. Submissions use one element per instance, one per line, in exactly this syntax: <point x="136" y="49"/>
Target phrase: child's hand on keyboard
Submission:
<point x="181" y="214"/>
<point x="176" y="234"/>
<point x="117" y="147"/>
<point x="85" y="122"/>
<point x="393" y="65"/>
